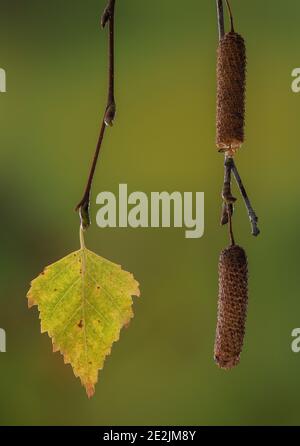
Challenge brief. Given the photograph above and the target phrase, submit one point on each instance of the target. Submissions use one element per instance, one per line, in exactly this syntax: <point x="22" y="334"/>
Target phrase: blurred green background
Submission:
<point x="162" y="370"/>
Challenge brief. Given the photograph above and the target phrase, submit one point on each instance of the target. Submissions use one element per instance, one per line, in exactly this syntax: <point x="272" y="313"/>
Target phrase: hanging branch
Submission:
<point x="228" y="199"/>
<point x="226" y="192"/>
<point x="251" y="213"/>
<point x="226" y="208"/>
<point x="230" y="165"/>
<point x="231" y="236"/>
<point x="220" y="12"/>
<point x="108" y="16"/>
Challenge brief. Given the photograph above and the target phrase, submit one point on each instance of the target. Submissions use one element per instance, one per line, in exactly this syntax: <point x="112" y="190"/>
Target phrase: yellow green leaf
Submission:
<point x="84" y="301"/>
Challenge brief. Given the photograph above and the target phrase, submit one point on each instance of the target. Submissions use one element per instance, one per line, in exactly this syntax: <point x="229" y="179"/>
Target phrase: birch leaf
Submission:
<point x="84" y="301"/>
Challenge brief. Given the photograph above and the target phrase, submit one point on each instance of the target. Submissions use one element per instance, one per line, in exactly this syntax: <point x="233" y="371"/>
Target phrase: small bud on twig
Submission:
<point x="107" y="13"/>
<point x="226" y="208"/>
<point x="105" y="16"/>
<point x="110" y="114"/>
<point x="85" y="215"/>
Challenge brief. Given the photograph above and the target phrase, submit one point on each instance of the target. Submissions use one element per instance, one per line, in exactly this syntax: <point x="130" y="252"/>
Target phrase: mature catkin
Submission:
<point x="231" y="85"/>
<point x="232" y="306"/>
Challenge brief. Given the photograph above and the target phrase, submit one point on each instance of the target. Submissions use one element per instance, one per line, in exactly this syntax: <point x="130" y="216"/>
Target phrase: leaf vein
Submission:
<point x="112" y="299"/>
<point x="63" y="296"/>
<point x="69" y="321"/>
<point x="100" y="314"/>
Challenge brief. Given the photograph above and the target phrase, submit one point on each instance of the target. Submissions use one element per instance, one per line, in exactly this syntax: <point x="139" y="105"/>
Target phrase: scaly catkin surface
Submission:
<point x="232" y="306"/>
<point x="231" y="85"/>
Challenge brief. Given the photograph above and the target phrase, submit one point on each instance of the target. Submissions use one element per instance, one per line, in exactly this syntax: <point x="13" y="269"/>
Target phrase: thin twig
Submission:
<point x="231" y="236"/>
<point x="220" y="12"/>
<point x="252" y="215"/>
<point x="221" y="21"/>
<point x="230" y="16"/>
<point x="108" y="16"/>
<point x="228" y="199"/>
<point x="224" y="215"/>
<point x="226" y="192"/>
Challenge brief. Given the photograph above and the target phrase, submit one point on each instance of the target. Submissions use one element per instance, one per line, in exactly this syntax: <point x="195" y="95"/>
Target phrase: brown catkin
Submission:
<point x="232" y="306"/>
<point x="231" y="85"/>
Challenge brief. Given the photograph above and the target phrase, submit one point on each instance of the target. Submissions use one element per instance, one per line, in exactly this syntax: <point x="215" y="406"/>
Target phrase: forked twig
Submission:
<point x="108" y="16"/>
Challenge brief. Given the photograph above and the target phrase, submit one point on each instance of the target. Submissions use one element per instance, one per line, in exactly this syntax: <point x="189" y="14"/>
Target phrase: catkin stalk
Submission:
<point x="232" y="306"/>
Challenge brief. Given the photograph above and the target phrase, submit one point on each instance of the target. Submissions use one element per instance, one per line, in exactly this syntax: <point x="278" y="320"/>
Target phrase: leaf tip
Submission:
<point x="90" y="390"/>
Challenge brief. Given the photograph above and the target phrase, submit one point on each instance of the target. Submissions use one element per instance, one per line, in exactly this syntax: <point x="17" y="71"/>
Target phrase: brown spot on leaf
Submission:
<point x="80" y="325"/>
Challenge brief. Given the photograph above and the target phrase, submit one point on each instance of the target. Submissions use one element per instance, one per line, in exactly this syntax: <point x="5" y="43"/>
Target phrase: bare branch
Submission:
<point x="252" y="215"/>
<point x="220" y="12"/>
<point x="226" y="192"/>
<point x="108" y="16"/>
<point x="228" y="199"/>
